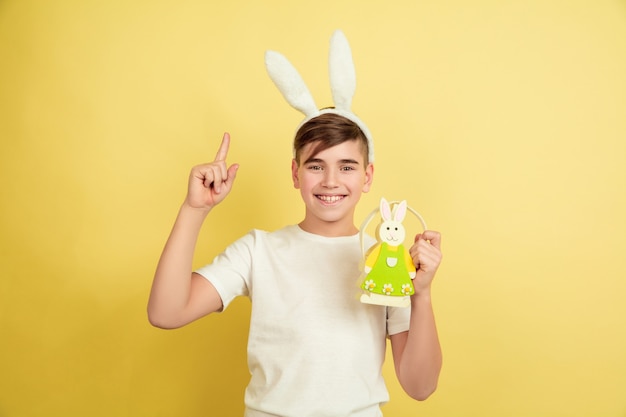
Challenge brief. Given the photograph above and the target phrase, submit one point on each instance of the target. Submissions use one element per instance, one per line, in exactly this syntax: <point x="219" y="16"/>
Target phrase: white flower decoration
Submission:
<point x="406" y="289"/>
<point x="370" y="285"/>
<point x="387" y="289"/>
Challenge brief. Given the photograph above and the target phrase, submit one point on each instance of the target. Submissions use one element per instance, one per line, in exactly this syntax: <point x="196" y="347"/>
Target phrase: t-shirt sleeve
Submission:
<point x="230" y="271"/>
<point x="398" y="319"/>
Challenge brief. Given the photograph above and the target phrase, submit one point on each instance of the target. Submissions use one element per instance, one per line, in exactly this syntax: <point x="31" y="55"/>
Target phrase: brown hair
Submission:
<point x="328" y="130"/>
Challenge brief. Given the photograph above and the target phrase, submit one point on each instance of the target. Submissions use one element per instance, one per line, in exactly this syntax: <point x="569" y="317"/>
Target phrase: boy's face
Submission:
<point x="331" y="183"/>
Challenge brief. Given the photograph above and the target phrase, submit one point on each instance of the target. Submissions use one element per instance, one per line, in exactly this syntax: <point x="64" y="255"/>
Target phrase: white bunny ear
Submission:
<point x="385" y="209"/>
<point x="341" y="69"/>
<point x="342" y="83"/>
<point x="400" y="212"/>
<point x="290" y="83"/>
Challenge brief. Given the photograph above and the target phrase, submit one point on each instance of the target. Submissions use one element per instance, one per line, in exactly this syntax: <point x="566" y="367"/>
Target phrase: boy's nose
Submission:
<point x="330" y="179"/>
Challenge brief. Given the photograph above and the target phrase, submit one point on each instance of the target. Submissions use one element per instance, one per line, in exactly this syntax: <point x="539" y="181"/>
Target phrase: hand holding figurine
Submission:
<point x="426" y="255"/>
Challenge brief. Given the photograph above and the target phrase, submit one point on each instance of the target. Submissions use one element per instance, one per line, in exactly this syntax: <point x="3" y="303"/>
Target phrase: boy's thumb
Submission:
<point x="232" y="172"/>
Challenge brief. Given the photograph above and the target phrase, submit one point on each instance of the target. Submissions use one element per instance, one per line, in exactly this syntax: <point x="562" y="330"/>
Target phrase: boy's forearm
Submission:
<point x="421" y="358"/>
<point x="172" y="280"/>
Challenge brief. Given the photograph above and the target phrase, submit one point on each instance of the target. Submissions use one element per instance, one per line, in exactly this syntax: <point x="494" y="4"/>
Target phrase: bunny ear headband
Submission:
<point x="342" y="84"/>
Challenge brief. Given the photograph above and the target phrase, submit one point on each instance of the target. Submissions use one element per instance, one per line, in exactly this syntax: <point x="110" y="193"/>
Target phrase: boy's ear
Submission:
<point x="294" y="174"/>
<point x="369" y="177"/>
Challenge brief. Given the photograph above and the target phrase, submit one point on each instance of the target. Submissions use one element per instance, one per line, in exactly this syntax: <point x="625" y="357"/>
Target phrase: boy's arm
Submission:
<point x="417" y="353"/>
<point x="179" y="296"/>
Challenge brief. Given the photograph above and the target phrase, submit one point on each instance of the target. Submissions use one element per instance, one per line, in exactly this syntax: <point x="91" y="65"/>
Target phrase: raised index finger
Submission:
<point x="222" y="152"/>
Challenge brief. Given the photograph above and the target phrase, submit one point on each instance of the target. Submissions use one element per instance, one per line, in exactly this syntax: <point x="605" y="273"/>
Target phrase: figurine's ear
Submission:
<point x="385" y="209"/>
<point x="290" y="83"/>
<point x="400" y="212"/>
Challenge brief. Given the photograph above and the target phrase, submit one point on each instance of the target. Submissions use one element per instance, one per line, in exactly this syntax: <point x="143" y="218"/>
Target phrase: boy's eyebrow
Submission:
<point x="341" y="161"/>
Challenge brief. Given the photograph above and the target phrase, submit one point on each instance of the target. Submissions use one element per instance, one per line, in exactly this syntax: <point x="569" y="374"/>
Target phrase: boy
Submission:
<point x="313" y="349"/>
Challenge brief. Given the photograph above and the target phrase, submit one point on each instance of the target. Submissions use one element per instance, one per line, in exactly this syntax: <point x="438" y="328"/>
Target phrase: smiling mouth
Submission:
<point x="330" y="199"/>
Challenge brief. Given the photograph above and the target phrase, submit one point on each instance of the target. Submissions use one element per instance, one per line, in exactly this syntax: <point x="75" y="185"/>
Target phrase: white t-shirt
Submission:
<point x="313" y="349"/>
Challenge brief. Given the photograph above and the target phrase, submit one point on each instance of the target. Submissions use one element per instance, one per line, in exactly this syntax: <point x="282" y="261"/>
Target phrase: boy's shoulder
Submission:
<point x="261" y="236"/>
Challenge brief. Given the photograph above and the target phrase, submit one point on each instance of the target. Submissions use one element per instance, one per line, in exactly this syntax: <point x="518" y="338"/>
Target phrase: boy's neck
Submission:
<point x="329" y="229"/>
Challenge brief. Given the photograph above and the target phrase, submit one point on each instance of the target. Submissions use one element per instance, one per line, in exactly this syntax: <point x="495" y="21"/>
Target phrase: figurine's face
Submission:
<point x="331" y="183"/>
<point x="391" y="232"/>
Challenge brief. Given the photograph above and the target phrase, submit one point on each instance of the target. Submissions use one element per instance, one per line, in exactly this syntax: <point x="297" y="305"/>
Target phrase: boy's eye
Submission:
<point x="315" y="167"/>
<point x="347" y="168"/>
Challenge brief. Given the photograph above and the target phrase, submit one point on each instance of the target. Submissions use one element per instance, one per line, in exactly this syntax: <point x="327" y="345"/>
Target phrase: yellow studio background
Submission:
<point x="503" y="123"/>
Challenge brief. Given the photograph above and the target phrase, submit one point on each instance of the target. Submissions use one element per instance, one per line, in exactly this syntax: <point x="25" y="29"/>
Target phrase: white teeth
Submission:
<point x="330" y="198"/>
